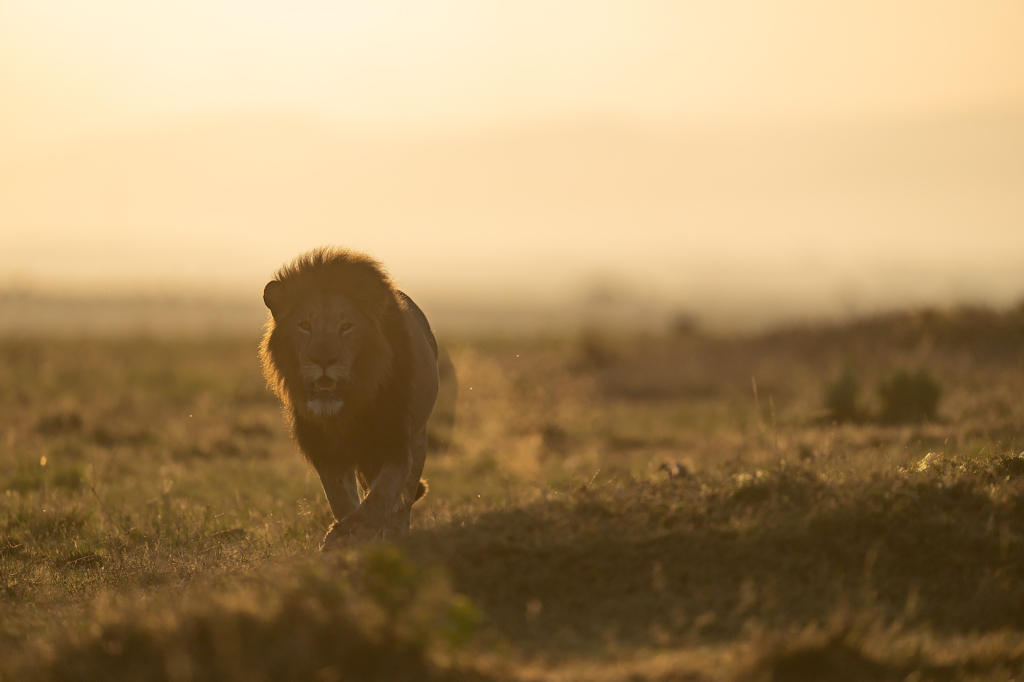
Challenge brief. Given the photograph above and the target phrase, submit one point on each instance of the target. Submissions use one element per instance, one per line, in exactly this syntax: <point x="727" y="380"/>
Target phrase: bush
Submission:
<point x="842" y="398"/>
<point x="374" y="619"/>
<point x="909" y="397"/>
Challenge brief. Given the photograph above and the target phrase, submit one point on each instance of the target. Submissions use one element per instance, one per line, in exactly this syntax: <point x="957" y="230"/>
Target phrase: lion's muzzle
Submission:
<point x="325" y="383"/>
<point x="322" y="397"/>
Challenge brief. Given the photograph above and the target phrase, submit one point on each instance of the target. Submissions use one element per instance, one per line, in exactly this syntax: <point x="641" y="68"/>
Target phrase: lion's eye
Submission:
<point x="345" y="327"/>
<point x="305" y="326"/>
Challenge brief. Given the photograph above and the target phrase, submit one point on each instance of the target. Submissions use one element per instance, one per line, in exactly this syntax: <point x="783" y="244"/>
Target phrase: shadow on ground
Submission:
<point x="704" y="557"/>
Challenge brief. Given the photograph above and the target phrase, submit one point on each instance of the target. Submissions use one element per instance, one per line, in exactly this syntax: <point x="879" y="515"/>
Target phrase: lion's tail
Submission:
<point x="421" y="489"/>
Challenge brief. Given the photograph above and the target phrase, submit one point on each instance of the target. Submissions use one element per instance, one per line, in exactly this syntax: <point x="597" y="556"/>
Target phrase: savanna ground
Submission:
<point x="666" y="507"/>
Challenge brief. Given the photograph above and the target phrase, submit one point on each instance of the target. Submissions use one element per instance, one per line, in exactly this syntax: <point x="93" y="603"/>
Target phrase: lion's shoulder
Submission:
<point x="408" y="304"/>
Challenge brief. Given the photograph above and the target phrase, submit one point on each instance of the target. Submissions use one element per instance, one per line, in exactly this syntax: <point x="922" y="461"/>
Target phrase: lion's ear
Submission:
<point x="274" y="297"/>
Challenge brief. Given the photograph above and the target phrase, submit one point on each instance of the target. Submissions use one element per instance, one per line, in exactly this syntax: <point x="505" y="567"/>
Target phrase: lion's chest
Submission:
<point x="365" y="444"/>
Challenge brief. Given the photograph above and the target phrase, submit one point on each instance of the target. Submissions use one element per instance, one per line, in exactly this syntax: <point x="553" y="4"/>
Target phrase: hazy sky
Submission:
<point x="824" y="150"/>
<point x="69" y="68"/>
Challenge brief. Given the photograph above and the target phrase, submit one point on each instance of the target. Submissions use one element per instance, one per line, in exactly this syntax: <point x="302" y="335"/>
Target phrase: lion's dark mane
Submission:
<point x="375" y="414"/>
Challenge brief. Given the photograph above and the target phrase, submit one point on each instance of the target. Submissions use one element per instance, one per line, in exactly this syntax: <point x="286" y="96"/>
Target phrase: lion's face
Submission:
<point x="325" y="332"/>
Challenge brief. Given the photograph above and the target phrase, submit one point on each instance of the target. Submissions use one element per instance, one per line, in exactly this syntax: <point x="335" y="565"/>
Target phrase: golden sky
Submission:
<point x="817" y="149"/>
<point x="71" y="68"/>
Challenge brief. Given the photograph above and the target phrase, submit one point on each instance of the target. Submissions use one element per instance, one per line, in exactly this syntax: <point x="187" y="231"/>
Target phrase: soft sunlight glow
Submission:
<point x="820" y="154"/>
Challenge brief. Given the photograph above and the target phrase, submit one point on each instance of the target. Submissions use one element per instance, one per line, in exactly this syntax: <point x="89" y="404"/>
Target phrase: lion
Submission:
<point x="354" y="362"/>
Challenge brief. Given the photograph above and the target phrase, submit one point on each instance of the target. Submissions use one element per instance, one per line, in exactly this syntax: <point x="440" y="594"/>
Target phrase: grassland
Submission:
<point x="609" y="507"/>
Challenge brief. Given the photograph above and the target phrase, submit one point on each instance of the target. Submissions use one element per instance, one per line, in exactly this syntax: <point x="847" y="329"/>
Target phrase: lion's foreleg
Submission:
<point x="386" y="492"/>
<point x="379" y="504"/>
<point x="341" y="490"/>
<point x="400" y="520"/>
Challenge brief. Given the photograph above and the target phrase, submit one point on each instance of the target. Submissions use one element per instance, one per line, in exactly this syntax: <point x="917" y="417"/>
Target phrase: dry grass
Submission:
<point x="663" y="508"/>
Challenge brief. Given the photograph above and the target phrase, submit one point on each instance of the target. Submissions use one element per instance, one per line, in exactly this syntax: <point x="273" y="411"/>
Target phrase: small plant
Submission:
<point x="842" y="398"/>
<point x="909" y="397"/>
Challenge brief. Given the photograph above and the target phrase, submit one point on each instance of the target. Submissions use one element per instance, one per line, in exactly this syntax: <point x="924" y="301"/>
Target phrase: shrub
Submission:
<point x="373" y="619"/>
<point x="909" y="397"/>
<point x="842" y="398"/>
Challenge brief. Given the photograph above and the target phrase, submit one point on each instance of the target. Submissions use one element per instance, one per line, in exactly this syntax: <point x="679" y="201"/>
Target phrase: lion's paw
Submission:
<point x="336" y="538"/>
<point x="347" y="532"/>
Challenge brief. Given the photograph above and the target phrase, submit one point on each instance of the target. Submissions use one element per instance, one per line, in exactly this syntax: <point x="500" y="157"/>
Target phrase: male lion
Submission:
<point x="354" y="363"/>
